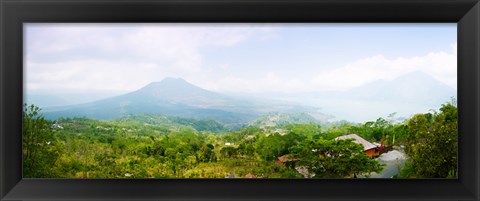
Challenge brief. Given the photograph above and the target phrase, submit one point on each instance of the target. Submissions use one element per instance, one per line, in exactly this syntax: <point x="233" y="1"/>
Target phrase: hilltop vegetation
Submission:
<point x="169" y="122"/>
<point x="160" y="146"/>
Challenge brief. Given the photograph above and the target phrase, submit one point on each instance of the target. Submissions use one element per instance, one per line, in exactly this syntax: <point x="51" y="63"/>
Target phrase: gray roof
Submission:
<point x="359" y="140"/>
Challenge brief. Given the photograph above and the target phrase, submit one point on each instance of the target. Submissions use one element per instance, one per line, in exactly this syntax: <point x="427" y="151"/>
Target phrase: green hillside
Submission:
<point x="158" y="146"/>
<point x="169" y="121"/>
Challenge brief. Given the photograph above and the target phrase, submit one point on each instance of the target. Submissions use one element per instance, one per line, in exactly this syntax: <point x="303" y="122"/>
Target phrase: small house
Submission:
<point x="369" y="148"/>
<point x="286" y="160"/>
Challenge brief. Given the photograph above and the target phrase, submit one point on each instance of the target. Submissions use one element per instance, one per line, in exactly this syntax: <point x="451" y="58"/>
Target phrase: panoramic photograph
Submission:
<point x="246" y="101"/>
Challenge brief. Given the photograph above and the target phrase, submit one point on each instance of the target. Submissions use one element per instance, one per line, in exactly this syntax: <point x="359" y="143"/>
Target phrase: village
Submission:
<point x="392" y="157"/>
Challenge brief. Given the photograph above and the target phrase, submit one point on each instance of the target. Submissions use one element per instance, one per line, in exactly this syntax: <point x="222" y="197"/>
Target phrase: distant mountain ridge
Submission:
<point x="409" y="94"/>
<point x="412" y="87"/>
<point x="175" y="91"/>
<point x="176" y="97"/>
<point x="412" y="93"/>
<point x="55" y="98"/>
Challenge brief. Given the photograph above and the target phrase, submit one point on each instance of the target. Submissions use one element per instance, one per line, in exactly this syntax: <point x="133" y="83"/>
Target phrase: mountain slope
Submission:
<point x="414" y="87"/>
<point x="412" y="93"/>
<point x="176" y="97"/>
<point x="179" y="91"/>
<point x="409" y="94"/>
<point x="168" y="121"/>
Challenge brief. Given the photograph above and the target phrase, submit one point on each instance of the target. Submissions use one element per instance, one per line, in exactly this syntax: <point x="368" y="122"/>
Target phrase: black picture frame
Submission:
<point x="13" y="13"/>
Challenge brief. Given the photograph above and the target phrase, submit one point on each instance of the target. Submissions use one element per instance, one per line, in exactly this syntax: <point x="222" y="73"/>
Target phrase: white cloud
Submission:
<point x="122" y="56"/>
<point x="269" y="82"/>
<point x="454" y="48"/>
<point x="441" y="65"/>
<point x="147" y="41"/>
<point x="89" y="56"/>
<point x="91" y="74"/>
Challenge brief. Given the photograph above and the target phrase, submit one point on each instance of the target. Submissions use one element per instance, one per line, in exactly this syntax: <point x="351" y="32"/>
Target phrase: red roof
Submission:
<point x="286" y="158"/>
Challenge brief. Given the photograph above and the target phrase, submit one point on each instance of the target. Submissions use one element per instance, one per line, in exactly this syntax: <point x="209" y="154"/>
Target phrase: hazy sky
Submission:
<point x="235" y="57"/>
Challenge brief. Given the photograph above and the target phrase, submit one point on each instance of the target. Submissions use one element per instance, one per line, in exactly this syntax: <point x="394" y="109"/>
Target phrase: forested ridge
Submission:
<point x="160" y="146"/>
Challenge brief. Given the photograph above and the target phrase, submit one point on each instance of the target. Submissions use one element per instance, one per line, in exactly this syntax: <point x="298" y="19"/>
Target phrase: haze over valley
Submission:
<point x="407" y="95"/>
<point x="177" y="97"/>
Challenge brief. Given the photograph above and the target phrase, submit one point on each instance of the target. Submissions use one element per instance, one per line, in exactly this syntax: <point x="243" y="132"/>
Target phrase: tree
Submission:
<point x="246" y="149"/>
<point x="434" y="151"/>
<point x="38" y="145"/>
<point x="334" y="158"/>
<point x="206" y="153"/>
<point x="228" y="152"/>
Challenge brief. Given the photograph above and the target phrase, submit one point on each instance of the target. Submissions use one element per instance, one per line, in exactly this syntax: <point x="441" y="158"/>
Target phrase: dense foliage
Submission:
<point x="40" y="148"/>
<point x="433" y="144"/>
<point x="334" y="159"/>
<point x="157" y="146"/>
